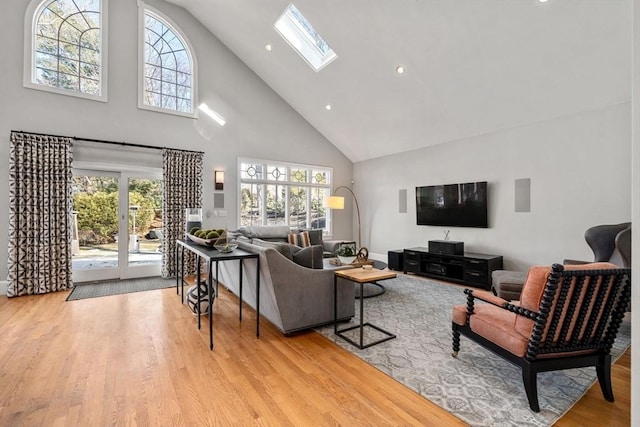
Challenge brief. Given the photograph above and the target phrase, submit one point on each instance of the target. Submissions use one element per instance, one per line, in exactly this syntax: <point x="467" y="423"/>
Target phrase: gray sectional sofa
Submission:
<point x="280" y="233"/>
<point x="292" y="297"/>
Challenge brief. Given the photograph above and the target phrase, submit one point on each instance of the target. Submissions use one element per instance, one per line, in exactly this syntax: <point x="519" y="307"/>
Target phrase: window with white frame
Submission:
<point x="286" y="194"/>
<point x="168" y="71"/>
<point x="65" y="42"/>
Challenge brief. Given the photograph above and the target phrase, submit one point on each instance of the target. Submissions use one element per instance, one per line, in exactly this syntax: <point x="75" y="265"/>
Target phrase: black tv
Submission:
<point x="453" y="205"/>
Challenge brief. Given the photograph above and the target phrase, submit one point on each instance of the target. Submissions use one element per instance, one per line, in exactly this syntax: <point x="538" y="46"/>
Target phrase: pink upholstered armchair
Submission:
<point x="567" y="317"/>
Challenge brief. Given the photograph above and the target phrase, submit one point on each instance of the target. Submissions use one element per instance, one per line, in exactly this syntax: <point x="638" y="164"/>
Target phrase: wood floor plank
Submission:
<point x="139" y="359"/>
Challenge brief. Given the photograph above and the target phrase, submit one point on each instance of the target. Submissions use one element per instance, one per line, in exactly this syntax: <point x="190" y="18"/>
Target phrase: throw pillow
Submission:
<point x="315" y="236"/>
<point x="310" y="257"/>
<point x="301" y="239"/>
<point x="281" y="247"/>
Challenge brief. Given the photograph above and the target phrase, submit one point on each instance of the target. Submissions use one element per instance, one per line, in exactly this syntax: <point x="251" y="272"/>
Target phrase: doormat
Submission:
<point x="116" y="287"/>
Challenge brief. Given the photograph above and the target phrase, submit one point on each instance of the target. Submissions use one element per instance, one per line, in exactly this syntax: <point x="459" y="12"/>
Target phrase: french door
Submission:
<point x="117" y="224"/>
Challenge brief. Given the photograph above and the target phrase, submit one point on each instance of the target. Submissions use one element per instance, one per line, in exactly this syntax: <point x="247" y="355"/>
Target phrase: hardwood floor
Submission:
<point x="138" y="359"/>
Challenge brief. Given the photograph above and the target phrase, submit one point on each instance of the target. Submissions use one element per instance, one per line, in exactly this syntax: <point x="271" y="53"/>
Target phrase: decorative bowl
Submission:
<point x="226" y="248"/>
<point x="216" y="241"/>
<point x="346" y="260"/>
<point x="201" y="241"/>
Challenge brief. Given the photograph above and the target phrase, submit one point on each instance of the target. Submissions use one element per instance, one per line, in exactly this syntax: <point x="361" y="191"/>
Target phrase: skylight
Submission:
<point x="301" y="35"/>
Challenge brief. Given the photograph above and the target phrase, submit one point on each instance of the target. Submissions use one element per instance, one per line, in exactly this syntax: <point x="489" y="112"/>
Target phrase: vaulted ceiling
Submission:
<point x="472" y="66"/>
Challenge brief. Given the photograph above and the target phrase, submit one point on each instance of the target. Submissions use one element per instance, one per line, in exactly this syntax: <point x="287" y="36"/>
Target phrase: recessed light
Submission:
<point x="327" y="107"/>
<point x="542" y="1"/>
<point x="400" y="69"/>
<point x="268" y="47"/>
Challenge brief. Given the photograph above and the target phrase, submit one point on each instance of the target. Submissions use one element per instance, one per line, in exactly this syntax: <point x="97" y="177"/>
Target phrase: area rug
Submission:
<point x="478" y="387"/>
<point x="115" y="287"/>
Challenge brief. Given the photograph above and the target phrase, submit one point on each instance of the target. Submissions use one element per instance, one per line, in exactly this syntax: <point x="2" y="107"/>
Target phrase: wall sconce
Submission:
<point x="219" y="180"/>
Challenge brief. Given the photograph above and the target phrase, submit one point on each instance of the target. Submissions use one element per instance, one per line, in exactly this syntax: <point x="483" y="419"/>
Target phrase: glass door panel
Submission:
<point x="144" y="225"/>
<point x="117" y="227"/>
<point x="95" y="226"/>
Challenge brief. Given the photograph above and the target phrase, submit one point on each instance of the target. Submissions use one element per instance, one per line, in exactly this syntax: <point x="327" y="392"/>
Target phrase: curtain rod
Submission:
<point x="104" y="141"/>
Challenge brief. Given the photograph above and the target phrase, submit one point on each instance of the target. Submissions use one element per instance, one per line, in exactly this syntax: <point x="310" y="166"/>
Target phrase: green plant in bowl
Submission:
<point x="346" y="253"/>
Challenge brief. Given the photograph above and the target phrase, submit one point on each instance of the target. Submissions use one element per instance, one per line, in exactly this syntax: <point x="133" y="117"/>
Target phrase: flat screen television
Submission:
<point x="452" y="205"/>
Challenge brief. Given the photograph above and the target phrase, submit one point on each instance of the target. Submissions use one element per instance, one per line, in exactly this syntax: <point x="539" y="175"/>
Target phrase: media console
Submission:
<point x="469" y="269"/>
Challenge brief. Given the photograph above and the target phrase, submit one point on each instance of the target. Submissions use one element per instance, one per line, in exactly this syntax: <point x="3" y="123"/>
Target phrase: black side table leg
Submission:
<point x="335" y="304"/>
<point x="217" y="269"/>
<point x="210" y="308"/>
<point x="182" y="274"/>
<point x="240" y="291"/>
<point x="198" y="278"/>
<point x="361" y="315"/>
<point x="258" y="297"/>
<point x="341" y="332"/>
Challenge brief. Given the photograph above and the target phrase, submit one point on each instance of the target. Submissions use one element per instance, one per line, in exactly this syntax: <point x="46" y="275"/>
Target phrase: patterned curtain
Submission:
<point x="40" y="206"/>
<point x="182" y="173"/>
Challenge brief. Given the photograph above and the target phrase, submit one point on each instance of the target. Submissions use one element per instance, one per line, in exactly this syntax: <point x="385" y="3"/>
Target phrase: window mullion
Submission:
<point x="287" y="203"/>
<point x="308" y="200"/>
<point x="263" y="204"/>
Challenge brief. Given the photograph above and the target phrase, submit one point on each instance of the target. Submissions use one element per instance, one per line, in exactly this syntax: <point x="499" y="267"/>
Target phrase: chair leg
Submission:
<point x="603" y="369"/>
<point x="456" y="341"/>
<point x="530" y="379"/>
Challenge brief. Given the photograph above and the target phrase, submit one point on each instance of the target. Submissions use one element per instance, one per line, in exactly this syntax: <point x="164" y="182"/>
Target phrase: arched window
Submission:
<point x="168" y="80"/>
<point x="67" y="45"/>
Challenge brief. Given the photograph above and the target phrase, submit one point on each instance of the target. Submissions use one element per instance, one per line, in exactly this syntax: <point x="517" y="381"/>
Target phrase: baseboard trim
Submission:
<point x="379" y="257"/>
<point x="3" y="287"/>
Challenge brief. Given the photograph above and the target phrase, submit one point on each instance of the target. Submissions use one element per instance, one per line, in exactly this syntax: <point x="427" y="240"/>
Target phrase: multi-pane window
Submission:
<point x="67" y="47"/>
<point x="280" y="193"/>
<point x="168" y="67"/>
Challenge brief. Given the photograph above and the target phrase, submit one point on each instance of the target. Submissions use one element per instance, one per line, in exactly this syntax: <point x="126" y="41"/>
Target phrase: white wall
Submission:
<point x="580" y="176"/>
<point x="259" y="123"/>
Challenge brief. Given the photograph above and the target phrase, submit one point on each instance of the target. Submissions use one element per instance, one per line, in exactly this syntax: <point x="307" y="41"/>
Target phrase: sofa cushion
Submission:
<point x="310" y="257"/>
<point x="283" y="247"/>
<point x="497" y="325"/>
<point x="300" y="239"/>
<point x="265" y="232"/>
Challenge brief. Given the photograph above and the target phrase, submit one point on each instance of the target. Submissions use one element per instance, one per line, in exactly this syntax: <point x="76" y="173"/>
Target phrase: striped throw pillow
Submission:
<point x="301" y="239"/>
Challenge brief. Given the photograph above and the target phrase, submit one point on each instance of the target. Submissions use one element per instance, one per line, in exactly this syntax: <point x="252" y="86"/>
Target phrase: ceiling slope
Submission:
<point x="473" y="67"/>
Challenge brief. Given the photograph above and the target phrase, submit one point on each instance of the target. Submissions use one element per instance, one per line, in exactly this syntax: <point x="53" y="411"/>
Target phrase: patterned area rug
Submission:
<point x="115" y="287"/>
<point x="477" y="386"/>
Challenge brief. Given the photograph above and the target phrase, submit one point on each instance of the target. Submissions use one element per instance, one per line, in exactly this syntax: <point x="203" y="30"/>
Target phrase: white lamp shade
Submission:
<point x="334" y="202"/>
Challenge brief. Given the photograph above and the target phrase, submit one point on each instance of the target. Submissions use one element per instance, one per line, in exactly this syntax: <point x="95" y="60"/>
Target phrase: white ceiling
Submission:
<point x="473" y="66"/>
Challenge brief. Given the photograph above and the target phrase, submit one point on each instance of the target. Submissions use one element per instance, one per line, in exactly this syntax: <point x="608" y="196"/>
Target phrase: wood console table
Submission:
<point x="211" y="255"/>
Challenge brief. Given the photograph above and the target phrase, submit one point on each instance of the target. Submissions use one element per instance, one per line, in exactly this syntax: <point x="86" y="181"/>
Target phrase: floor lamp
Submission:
<point x="337" y="202"/>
